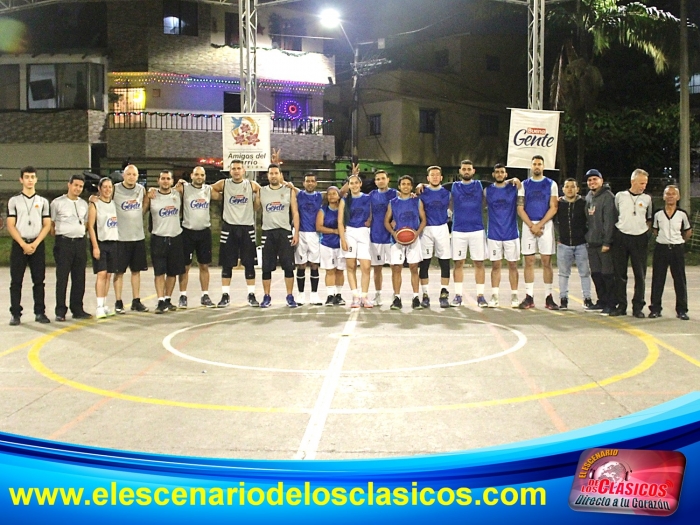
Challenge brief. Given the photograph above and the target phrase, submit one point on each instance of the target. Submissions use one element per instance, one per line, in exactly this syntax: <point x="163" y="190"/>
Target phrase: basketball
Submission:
<point x="406" y="236"/>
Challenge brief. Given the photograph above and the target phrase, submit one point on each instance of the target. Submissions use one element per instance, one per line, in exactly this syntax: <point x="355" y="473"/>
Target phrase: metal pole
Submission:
<point x="535" y="57"/>
<point x="684" y="172"/>
<point x="355" y="106"/>
<point x="248" y="30"/>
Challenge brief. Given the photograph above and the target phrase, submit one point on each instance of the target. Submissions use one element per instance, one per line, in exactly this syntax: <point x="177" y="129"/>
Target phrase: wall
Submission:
<point x="68" y="126"/>
<point x="72" y="158"/>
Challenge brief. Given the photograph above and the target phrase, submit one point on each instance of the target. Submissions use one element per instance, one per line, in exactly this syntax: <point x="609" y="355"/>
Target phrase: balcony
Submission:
<point x="152" y="134"/>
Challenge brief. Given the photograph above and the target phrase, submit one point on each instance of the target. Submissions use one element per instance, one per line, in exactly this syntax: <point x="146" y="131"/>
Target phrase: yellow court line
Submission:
<point x="18" y="347"/>
<point x="680" y="354"/>
<point x="648" y="362"/>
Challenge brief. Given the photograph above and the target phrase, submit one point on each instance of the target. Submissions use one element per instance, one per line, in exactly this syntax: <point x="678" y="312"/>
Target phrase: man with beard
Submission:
<point x="379" y="237"/>
<point x="308" y="251"/>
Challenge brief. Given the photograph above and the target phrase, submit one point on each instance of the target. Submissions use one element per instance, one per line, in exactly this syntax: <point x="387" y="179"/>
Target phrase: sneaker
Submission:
<point x="41" y="318"/>
<point x="119" y="307"/>
<point x="182" y="302"/>
<point x="356" y="303"/>
<point x="416" y="304"/>
<point x="654" y="315"/>
<point x="639" y="314"/>
<point x="564" y="303"/>
<point x="514" y="303"/>
<point x="444" y="299"/>
<point x="481" y="302"/>
<point x="14" y="320"/>
<point x="378" y="298"/>
<point x="396" y="304"/>
<point x="588" y="304"/>
<point x="59" y="319"/>
<point x="595" y="307"/>
<point x="527" y="303"/>
<point x="330" y="300"/>
<point x="493" y="303"/>
<point x="170" y="305"/>
<point x="606" y="311"/>
<point x="138" y="306"/>
<point x="301" y="301"/>
<point x="266" y="302"/>
<point x="366" y="303"/>
<point x="252" y="301"/>
<point x="425" y="303"/>
<point x="338" y="300"/>
<point x="161" y="308"/>
<point x="110" y="313"/>
<point x="683" y="316"/>
<point x="315" y="299"/>
<point x="291" y="302"/>
<point x="82" y="315"/>
<point x="456" y="301"/>
<point x="100" y="312"/>
<point x="225" y="301"/>
<point x="206" y="301"/>
<point x="549" y="303"/>
<point x="618" y="312"/>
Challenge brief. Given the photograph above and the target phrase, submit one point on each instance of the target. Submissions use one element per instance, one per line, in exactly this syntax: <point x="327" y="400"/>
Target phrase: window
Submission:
<point x="442" y="58"/>
<point x="9" y="87"/>
<point x="427" y="120"/>
<point x="232" y="29"/>
<point x="286" y="33"/>
<point x="125" y="100"/>
<point x="488" y="125"/>
<point x="66" y="86"/>
<point x="180" y="18"/>
<point x="375" y="124"/>
<point x="493" y="63"/>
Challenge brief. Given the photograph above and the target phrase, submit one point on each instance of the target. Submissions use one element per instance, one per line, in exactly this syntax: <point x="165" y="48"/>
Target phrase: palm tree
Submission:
<point x="595" y="25"/>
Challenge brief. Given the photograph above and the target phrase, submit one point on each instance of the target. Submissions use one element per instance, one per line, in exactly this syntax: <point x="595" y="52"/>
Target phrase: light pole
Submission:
<point x="331" y="19"/>
<point x="684" y="172"/>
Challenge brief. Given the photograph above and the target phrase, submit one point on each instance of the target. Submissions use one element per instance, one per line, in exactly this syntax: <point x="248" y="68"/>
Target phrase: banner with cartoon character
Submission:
<point x="247" y="137"/>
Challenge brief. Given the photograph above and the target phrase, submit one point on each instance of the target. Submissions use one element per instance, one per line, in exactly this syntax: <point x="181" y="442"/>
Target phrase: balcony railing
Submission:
<point x="210" y="122"/>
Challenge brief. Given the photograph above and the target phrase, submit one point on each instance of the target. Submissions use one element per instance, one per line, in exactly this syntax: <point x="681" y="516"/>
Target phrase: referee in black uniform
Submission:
<point x="28" y="223"/>
<point x="69" y="215"/>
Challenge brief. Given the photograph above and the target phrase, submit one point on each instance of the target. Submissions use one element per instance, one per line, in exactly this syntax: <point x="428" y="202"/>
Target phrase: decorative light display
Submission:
<point x="291" y="108"/>
<point x="211" y="161"/>
<point x="139" y="78"/>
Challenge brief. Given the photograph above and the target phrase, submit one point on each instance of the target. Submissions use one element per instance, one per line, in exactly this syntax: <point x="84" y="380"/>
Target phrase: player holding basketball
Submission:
<point x="332" y="260"/>
<point x="468" y="234"/>
<point x="405" y="212"/>
<point x="502" y="237"/>
<point x="353" y="227"/>
<point x="538" y="200"/>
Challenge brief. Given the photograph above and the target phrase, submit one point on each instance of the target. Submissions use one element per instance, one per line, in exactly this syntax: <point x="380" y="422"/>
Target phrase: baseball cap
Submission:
<point x="593" y="173"/>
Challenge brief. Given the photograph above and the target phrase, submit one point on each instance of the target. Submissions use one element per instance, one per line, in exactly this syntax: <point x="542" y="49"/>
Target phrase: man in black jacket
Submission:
<point x="572" y="219"/>
<point x="602" y="215"/>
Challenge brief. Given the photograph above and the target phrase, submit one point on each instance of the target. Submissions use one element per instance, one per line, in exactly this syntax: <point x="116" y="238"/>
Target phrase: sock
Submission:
<point x="183" y="294"/>
<point x="251" y="288"/>
<point x="100" y="302"/>
<point x="161" y="299"/>
<point x="514" y="293"/>
<point x="363" y="295"/>
<point x="314" y="281"/>
<point x="205" y="292"/>
<point x="425" y="288"/>
<point x="480" y="289"/>
<point x="354" y="292"/>
<point x="494" y="291"/>
<point x="397" y="296"/>
<point x="167" y="297"/>
<point x="415" y="295"/>
<point x="458" y="288"/>
<point x="547" y="289"/>
<point x="301" y="280"/>
<point x="530" y="289"/>
<point x="225" y="289"/>
<point x="331" y="290"/>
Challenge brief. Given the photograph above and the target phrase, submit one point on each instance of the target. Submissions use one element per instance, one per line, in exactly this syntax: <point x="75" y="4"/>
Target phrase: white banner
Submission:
<point x="532" y="132"/>
<point x="247" y="138"/>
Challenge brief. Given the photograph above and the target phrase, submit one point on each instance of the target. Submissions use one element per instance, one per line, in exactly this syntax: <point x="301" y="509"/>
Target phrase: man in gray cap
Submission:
<point x="602" y="215"/>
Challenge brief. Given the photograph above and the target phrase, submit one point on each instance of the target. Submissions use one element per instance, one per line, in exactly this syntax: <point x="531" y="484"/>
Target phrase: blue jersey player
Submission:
<point x="308" y="251"/>
<point x="380" y="239"/>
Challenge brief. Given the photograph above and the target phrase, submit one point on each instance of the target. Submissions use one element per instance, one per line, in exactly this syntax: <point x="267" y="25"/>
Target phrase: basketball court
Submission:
<point x="330" y="383"/>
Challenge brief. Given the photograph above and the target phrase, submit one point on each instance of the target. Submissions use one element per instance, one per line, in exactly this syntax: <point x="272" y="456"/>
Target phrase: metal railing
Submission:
<point x="210" y="122"/>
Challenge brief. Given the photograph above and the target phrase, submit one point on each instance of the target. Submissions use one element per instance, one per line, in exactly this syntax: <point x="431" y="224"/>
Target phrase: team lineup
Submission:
<point x="602" y="233"/>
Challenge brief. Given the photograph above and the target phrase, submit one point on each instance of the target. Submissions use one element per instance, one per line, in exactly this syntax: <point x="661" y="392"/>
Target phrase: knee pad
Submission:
<point x="250" y="272"/>
<point x="289" y="274"/>
<point x="267" y="276"/>
<point x="444" y="268"/>
<point x="424" y="267"/>
<point x="301" y="273"/>
<point x="226" y="272"/>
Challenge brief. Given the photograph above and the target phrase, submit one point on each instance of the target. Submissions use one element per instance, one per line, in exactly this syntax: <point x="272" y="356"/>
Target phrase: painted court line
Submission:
<point x="314" y="430"/>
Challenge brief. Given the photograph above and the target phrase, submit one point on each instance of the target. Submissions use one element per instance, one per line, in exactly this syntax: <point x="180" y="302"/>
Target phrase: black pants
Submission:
<point x="665" y="256"/>
<point x="602" y="275"/>
<point x="37" y="267"/>
<point x="632" y="248"/>
<point x="71" y="260"/>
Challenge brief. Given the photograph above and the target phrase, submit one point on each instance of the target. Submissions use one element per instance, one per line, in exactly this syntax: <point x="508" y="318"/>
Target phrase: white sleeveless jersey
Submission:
<point x="195" y="207"/>
<point x="165" y="211"/>
<point x="275" y="207"/>
<point x="129" y="204"/>
<point x="106" y="221"/>
<point x="238" y="203"/>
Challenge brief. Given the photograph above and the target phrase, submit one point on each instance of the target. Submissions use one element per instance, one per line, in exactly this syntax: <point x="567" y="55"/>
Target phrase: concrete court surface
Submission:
<point x="328" y="383"/>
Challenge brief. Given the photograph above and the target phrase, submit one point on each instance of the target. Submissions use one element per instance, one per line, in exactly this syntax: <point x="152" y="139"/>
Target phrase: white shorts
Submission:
<point x="332" y="258"/>
<point x="500" y="249"/>
<point x="472" y="242"/>
<point x="436" y="239"/>
<point x="544" y="244"/>
<point x="308" y="248"/>
<point x="358" y="243"/>
<point x="410" y="253"/>
<point x="380" y="253"/>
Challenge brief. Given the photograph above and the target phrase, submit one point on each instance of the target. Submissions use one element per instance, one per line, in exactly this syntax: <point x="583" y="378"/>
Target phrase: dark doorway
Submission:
<point x="232" y="102"/>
